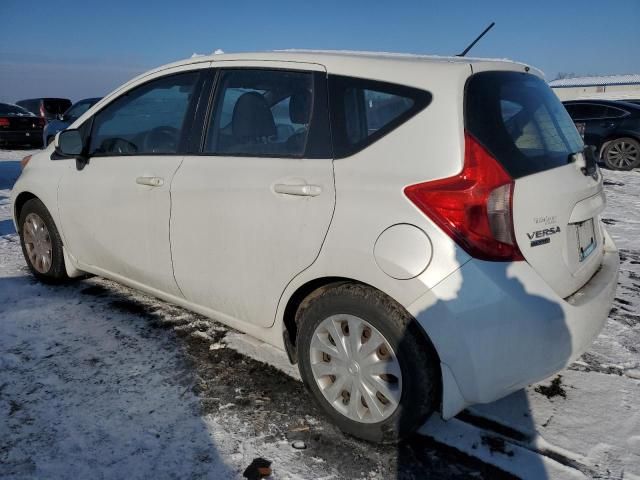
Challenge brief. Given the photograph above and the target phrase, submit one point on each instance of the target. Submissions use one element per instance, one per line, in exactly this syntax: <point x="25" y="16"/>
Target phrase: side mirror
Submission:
<point x="69" y="144"/>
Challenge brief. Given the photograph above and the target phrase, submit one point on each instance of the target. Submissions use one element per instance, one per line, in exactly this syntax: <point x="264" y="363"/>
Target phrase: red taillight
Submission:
<point x="41" y="122"/>
<point x="25" y="161"/>
<point x="4" y="122"/>
<point x="473" y="207"/>
<point x="43" y="113"/>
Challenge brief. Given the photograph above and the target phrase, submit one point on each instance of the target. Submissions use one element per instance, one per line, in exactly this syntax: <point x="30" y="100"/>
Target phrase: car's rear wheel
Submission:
<point x="41" y="243"/>
<point x="622" y="154"/>
<point x="366" y="362"/>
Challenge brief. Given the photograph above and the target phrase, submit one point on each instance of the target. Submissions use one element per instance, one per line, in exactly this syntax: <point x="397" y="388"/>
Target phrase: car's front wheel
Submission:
<point x="41" y="242"/>
<point x="622" y="154"/>
<point x="366" y="362"/>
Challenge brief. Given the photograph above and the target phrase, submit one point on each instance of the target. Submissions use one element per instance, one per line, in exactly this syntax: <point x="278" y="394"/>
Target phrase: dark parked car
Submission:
<point x="47" y="108"/>
<point x="19" y="126"/>
<point x="612" y="127"/>
<point x="67" y="118"/>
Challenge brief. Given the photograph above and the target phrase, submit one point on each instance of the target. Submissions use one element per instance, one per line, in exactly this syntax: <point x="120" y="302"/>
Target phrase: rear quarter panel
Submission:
<point x="370" y="184"/>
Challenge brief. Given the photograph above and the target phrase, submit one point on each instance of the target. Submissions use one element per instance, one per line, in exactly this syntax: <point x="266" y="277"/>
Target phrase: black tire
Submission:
<point x="56" y="272"/>
<point x="418" y="361"/>
<point x="615" y="162"/>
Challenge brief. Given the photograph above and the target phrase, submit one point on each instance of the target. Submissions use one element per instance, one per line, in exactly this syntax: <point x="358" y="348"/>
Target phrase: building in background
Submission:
<point x="609" y="87"/>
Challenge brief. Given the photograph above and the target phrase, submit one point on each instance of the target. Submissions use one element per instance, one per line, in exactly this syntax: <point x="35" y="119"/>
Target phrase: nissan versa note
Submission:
<point x="419" y="234"/>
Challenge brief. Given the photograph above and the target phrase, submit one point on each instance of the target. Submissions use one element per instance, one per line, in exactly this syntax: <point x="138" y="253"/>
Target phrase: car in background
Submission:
<point x="613" y="127"/>
<point x="19" y="126"/>
<point x="67" y="118"/>
<point x="47" y="108"/>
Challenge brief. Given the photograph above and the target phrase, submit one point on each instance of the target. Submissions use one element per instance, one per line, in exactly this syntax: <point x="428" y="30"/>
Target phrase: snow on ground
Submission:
<point x="99" y="381"/>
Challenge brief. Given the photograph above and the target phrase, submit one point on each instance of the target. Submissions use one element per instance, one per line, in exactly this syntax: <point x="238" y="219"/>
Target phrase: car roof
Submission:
<point x="330" y="58"/>
<point x="90" y="99"/>
<point x="48" y="99"/>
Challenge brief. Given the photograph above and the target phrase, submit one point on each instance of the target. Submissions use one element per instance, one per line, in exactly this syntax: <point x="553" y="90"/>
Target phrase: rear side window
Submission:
<point x="613" y="112"/>
<point x="261" y="113"/>
<point x="586" y="111"/>
<point x="363" y="111"/>
<point x="522" y="123"/>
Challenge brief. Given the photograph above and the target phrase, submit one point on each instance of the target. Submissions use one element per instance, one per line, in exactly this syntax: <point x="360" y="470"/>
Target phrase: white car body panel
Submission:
<point x="130" y="238"/>
<point x="480" y="316"/>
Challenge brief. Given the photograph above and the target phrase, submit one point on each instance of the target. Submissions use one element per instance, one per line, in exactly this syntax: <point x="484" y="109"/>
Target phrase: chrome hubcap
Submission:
<point x="622" y="154"/>
<point x="356" y="369"/>
<point x="37" y="242"/>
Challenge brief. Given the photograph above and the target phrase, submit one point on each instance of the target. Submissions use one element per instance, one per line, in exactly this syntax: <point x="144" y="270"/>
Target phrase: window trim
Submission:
<point x="337" y="83"/>
<point x="188" y="124"/>
<point x="319" y="126"/>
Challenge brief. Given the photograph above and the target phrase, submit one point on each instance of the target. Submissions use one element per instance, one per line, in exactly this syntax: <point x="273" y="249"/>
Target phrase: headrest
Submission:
<point x="300" y="107"/>
<point x="252" y="117"/>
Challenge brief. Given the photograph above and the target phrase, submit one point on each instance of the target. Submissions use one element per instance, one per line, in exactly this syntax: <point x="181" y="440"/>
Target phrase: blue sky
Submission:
<point x="87" y="48"/>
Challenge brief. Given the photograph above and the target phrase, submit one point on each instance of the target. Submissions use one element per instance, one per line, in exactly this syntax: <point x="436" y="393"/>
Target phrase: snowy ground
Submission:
<point x="99" y="381"/>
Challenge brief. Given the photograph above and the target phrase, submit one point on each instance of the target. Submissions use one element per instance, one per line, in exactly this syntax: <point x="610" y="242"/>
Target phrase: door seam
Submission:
<point x="173" y="270"/>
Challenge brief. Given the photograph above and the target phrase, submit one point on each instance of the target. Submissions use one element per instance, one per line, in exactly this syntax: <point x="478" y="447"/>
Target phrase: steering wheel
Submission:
<point x="162" y="139"/>
<point x="118" y="145"/>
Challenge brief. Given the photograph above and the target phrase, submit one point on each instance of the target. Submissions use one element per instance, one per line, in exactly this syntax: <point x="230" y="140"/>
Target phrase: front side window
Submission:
<point x="365" y="110"/>
<point x="146" y="120"/>
<point x="261" y="113"/>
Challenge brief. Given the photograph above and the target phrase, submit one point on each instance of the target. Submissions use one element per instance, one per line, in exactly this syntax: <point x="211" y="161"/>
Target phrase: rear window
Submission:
<point x="519" y="119"/>
<point x="13" y="110"/>
<point x="56" y="106"/>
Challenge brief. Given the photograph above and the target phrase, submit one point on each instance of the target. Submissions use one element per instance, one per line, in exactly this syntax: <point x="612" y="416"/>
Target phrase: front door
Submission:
<point x="251" y="211"/>
<point x="115" y="211"/>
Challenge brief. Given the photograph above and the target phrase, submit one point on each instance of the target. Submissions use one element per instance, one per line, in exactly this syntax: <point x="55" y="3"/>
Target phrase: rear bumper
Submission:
<point x="499" y="327"/>
<point x="21" y="137"/>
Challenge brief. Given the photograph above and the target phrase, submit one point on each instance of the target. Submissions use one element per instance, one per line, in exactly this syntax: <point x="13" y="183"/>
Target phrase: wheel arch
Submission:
<point x="618" y="134"/>
<point x="306" y="292"/>
<point x="21" y="199"/>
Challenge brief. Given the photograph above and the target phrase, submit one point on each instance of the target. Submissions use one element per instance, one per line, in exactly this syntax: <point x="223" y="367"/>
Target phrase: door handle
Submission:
<point x="299" y="190"/>
<point x="150" y="181"/>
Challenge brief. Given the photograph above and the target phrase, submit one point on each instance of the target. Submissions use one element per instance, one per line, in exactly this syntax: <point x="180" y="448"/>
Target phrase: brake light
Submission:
<point x="25" y="161"/>
<point x="473" y="207"/>
<point x="4" y="122"/>
<point x="43" y="113"/>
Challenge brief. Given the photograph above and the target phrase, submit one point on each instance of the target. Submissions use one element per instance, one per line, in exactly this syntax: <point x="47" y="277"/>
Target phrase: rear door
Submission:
<point x="517" y="117"/>
<point x="252" y="205"/>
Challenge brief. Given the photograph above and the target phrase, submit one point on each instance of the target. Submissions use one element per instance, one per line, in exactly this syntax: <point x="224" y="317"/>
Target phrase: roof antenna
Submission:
<point x="466" y="50"/>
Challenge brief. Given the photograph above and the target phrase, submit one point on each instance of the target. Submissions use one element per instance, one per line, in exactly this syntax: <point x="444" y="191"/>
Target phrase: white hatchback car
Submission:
<point x="417" y="233"/>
